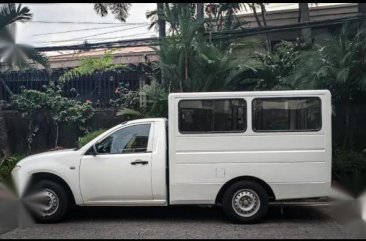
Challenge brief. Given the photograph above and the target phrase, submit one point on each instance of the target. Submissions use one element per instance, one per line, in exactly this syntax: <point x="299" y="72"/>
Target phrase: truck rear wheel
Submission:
<point x="245" y="202"/>
<point x="47" y="201"/>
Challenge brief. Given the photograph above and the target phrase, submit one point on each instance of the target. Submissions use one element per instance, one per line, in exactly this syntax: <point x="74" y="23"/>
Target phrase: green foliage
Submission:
<point x="337" y="65"/>
<point x="89" y="137"/>
<point x="156" y="102"/>
<point x="119" y="10"/>
<point x="126" y="98"/>
<point x="6" y="166"/>
<point x="17" y="55"/>
<point x="89" y="66"/>
<point x="224" y="16"/>
<point x="170" y="15"/>
<point x="51" y="102"/>
<point x="189" y="63"/>
<point x="270" y="71"/>
<point x="349" y="169"/>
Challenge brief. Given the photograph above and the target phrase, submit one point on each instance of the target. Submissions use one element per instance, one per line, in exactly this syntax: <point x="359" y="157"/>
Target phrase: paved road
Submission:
<point x="183" y="222"/>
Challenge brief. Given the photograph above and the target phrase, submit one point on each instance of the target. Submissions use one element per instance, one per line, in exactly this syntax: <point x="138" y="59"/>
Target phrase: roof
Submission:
<point x="249" y="93"/>
<point x="290" y="16"/>
<point x="126" y="55"/>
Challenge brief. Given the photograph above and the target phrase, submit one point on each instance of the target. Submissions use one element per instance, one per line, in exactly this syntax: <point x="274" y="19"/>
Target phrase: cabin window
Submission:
<point x="212" y="115"/>
<point x="131" y="139"/>
<point x="287" y="114"/>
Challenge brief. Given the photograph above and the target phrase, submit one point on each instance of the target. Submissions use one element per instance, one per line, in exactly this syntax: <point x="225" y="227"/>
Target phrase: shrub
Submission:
<point x="6" y="166"/>
<point x="90" y="136"/>
<point x="51" y="102"/>
<point x="349" y="169"/>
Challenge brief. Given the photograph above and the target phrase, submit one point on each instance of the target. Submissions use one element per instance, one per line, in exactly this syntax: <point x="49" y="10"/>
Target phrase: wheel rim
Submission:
<point x="44" y="202"/>
<point x="246" y="202"/>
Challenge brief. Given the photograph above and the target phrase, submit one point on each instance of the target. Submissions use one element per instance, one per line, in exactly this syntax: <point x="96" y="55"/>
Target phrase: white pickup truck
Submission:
<point x="238" y="150"/>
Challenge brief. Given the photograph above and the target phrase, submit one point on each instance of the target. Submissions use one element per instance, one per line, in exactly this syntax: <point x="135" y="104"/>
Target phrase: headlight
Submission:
<point x="15" y="169"/>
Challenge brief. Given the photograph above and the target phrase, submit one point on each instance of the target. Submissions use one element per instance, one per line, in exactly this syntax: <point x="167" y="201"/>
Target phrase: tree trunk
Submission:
<point x="263" y="10"/>
<point x="56" y="141"/>
<point x="200" y="11"/>
<point x="256" y="16"/>
<point x="4" y="145"/>
<point x="162" y="32"/>
<point x="200" y="16"/>
<point x="361" y="8"/>
<point x="161" y="21"/>
<point x="305" y="18"/>
<point x="347" y="141"/>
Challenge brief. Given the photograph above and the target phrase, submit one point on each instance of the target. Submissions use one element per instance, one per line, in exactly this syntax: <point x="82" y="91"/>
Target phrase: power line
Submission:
<point x="80" y="22"/>
<point x="222" y="35"/>
<point x="77" y="30"/>
<point x="132" y="35"/>
<point x="230" y="34"/>
<point x="120" y="37"/>
<point x="84" y="37"/>
<point x="111" y="44"/>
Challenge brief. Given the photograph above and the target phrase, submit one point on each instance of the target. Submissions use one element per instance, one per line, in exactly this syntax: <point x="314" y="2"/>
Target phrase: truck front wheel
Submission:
<point x="245" y="202"/>
<point x="47" y="201"/>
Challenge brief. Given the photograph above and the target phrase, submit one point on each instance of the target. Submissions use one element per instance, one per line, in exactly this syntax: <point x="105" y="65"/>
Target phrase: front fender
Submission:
<point x="63" y="165"/>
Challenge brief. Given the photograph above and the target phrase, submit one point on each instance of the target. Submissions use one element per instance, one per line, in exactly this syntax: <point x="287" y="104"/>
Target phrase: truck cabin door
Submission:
<point x="120" y="170"/>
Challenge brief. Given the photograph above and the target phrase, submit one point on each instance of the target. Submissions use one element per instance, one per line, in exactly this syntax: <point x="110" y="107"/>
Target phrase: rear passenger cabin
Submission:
<point x="282" y="138"/>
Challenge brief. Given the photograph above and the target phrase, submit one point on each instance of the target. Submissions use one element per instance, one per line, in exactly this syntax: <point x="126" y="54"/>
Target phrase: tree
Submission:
<point x="167" y="14"/>
<point x="50" y="102"/>
<point x="119" y="10"/>
<point x="201" y="15"/>
<point x="361" y="7"/>
<point x="223" y="16"/>
<point x="271" y="70"/>
<point x="304" y="17"/>
<point x="190" y="63"/>
<point x="200" y="11"/>
<point x="161" y="21"/>
<point x="14" y="55"/>
<point x="338" y="65"/>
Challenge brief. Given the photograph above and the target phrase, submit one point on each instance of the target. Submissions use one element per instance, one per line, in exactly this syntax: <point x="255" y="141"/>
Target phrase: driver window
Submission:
<point x="132" y="139"/>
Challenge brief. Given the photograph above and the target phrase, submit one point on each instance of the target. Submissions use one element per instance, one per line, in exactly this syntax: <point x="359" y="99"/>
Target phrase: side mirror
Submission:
<point x="95" y="152"/>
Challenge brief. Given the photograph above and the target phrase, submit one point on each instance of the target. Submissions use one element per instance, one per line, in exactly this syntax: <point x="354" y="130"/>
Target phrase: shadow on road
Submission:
<point x="186" y="213"/>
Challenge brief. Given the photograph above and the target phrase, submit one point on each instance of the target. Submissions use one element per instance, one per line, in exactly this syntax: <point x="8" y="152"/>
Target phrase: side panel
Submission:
<point x="294" y="164"/>
<point x="159" y="161"/>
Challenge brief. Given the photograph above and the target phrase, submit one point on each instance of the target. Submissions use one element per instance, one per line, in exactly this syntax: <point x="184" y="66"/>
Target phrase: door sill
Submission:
<point x="127" y="203"/>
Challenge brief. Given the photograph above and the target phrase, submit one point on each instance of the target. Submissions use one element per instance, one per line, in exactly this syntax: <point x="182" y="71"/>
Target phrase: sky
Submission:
<point x="88" y="26"/>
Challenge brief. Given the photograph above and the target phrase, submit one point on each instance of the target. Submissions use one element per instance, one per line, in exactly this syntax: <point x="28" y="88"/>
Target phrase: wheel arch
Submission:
<point x="36" y="177"/>
<point x="265" y="185"/>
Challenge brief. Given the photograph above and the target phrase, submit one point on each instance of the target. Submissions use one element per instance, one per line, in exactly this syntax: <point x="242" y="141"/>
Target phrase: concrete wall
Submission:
<point x="17" y="129"/>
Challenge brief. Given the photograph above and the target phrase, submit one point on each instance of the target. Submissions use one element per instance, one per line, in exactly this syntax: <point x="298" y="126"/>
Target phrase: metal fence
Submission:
<point x="98" y="88"/>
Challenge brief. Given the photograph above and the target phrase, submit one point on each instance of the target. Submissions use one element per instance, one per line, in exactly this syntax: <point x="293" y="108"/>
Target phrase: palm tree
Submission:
<point x="14" y="55"/>
<point x="119" y="10"/>
<point x="339" y="65"/>
<point x="161" y="21"/>
<point x="167" y="14"/>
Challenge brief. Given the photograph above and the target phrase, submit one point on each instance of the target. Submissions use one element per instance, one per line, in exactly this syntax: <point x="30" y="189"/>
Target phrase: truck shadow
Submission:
<point x="188" y="213"/>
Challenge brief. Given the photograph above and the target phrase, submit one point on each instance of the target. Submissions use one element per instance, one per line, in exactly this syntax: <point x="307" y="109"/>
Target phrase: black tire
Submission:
<point x="57" y="191"/>
<point x="248" y="189"/>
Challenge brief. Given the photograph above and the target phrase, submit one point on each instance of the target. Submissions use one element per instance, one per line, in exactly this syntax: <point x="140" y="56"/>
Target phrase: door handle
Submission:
<point x="138" y="161"/>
